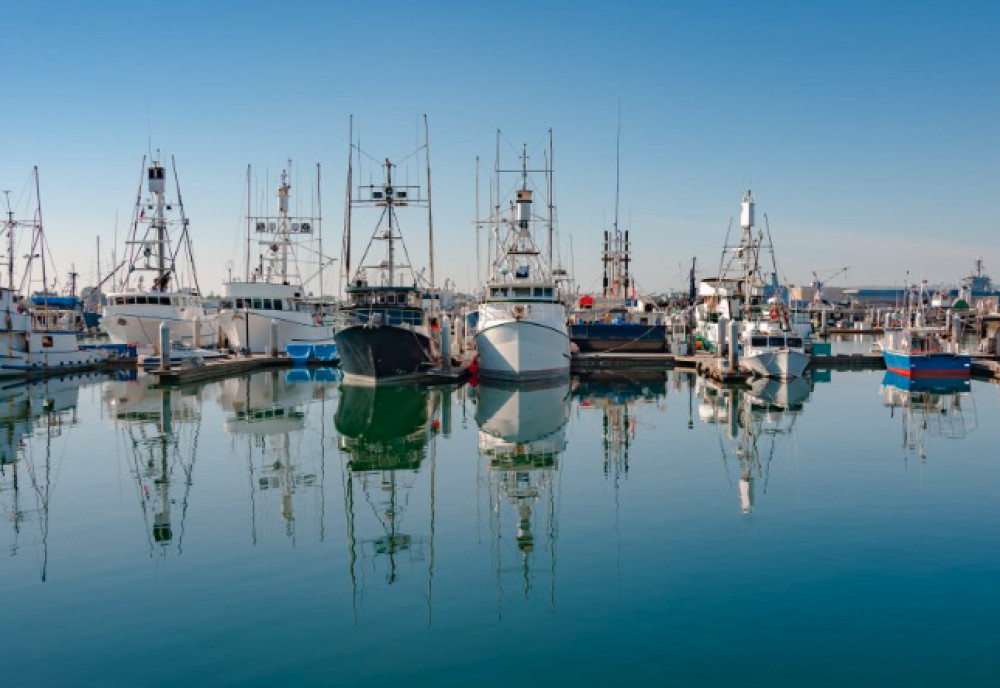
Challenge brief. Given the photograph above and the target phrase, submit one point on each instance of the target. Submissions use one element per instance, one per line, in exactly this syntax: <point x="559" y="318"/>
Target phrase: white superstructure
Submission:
<point x="521" y="332"/>
<point x="273" y="290"/>
<point x="159" y="247"/>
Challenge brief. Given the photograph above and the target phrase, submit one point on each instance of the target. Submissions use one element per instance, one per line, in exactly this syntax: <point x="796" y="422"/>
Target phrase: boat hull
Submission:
<point x="250" y="329"/>
<point x="522" y="349"/>
<point x="621" y="337"/>
<point x="128" y="325"/>
<point x="930" y="365"/>
<point x="379" y="355"/>
<point x="781" y="364"/>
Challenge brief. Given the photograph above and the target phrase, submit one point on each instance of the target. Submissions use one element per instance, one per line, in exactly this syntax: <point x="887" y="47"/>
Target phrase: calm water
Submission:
<point x="271" y="530"/>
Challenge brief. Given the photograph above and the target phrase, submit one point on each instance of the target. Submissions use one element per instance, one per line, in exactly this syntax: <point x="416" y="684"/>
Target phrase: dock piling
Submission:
<point x="164" y="347"/>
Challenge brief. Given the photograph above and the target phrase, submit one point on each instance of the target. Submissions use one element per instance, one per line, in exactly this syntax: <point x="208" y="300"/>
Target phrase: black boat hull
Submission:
<point x="382" y="353"/>
<point x="621" y="338"/>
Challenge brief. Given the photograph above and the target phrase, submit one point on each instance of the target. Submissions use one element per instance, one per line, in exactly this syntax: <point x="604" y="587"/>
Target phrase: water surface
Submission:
<point x="277" y="529"/>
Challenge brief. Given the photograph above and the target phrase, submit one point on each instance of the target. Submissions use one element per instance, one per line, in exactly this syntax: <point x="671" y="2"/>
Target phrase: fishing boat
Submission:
<point x="521" y="331"/>
<point x="35" y="339"/>
<point x="770" y="345"/>
<point x="920" y="352"/>
<point x="390" y="319"/>
<point x="273" y="296"/>
<point x="159" y="246"/>
<point x="617" y="319"/>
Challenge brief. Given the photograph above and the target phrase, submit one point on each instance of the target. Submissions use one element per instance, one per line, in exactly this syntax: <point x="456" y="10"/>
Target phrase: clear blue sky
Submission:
<point x="870" y="132"/>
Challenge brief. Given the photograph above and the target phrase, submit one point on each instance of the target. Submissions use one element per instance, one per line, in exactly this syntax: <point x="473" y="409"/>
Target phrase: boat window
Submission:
<point x="268" y="305"/>
<point x="758" y="341"/>
<point x="225" y="304"/>
<point x="794" y="342"/>
<point x="130" y="300"/>
<point x="390" y="298"/>
<point x="47" y="341"/>
<point x="381" y="298"/>
<point x="278" y="304"/>
<point x="258" y="304"/>
<point x="164" y="300"/>
<point x="239" y="303"/>
<point x="775" y="341"/>
<point x="522" y="291"/>
<point x="539" y="291"/>
<point x="548" y="292"/>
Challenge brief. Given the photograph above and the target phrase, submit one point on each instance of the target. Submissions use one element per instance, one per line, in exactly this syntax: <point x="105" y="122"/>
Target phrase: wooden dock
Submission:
<point x="214" y="369"/>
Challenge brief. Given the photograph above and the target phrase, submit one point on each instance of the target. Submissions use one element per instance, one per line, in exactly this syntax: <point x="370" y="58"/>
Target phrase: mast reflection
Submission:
<point x="385" y="433"/>
<point x="929" y="409"/>
<point x="522" y="432"/>
<point x="753" y="422"/>
<point x="159" y="429"/>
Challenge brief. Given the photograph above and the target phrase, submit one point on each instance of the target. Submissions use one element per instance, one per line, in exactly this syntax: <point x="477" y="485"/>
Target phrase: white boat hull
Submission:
<point x="135" y="325"/>
<point x="252" y="329"/>
<point x="779" y="364"/>
<point x="24" y="353"/>
<point x="534" y="346"/>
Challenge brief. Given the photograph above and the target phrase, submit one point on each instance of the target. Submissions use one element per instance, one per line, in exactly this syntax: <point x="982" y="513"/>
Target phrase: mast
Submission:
<point x="478" y="260"/>
<point x="548" y="179"/>
<point x="38" y="216"/>
<point x="249" y="223"/>
<point x="319" y="229"/>
<point x="390" y="236"/>
<point x="10" y="242"/>
<point x="430" y="215"/>
<point x="346" y="247"/>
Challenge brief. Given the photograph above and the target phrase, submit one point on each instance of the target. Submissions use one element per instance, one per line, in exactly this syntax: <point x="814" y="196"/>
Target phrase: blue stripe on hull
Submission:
<point x="928" y="365"/>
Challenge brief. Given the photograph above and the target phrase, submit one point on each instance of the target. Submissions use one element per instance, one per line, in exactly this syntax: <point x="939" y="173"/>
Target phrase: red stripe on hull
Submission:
<point x="905" y="372"/>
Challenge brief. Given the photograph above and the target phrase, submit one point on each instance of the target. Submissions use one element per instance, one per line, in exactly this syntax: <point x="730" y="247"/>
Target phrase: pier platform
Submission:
<point x="607" y="360"/>
<point x="219" y="368"/>
<point x="849" y="362"/>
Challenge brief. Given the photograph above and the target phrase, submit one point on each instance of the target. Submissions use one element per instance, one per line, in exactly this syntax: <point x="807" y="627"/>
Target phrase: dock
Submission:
<point x="219" y="368"/>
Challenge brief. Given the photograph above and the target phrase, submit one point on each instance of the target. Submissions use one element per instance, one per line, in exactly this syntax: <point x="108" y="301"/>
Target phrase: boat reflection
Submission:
<point x="385" y="433"/>
<point x="34" y="415"/>
<point x="522" y="432"/>
<point x="754" y="422"/>
<point x="159" y="429"/>
<point x="929" y="408"/>
<point x="618" y="397"/>
<point x="266" y="416"/>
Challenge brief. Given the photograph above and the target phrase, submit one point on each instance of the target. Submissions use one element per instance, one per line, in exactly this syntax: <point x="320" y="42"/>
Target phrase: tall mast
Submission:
<point x="548" y="178"/>
<point x="319" y="229"/>
<point x="41" y="236"/>
<point x="249" y="221"/>
<point x="478" y="283"/>
<point x="10" y="242"/>
<point x="391" y="229"/>
<point x="346" y="247"/>
<point x="284" y="192"/>
<point x="430" y="214"/>
<point x="157" y="186"/>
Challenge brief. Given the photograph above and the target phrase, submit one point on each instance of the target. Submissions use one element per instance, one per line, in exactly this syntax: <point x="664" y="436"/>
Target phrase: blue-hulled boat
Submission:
<point x="920" y="353"/>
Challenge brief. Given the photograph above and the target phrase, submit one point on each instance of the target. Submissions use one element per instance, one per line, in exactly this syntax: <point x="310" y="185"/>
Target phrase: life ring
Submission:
<point x="774" y="313"/>
<point x="318" y="319"/>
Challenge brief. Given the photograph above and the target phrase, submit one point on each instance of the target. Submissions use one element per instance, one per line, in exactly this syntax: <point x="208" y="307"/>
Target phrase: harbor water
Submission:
<point x="282" y="529"/>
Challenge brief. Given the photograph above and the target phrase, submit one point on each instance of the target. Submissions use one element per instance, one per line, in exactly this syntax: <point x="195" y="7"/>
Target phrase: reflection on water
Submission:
<point x="752" y="423"/>
<point x="617" y="398"/>
<point x="522" y="432"/>
<point x="385" y="432"/>
<point x="159" y="429"/>
<point x="928" y="409"/>
<point x="377" y="511"/>
<point x="41" y="411"/>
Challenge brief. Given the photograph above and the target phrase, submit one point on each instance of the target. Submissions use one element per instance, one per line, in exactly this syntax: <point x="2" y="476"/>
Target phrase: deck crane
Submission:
<point x="818" y="283"/>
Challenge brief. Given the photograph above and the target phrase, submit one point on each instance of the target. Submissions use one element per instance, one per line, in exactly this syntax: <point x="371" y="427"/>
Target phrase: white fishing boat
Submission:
<point x="521" y="330"/>
<point x="770" y="345"/>
<point x="40" y="339"/>
<point x="158" y="247"/>
<point x="273" y="291"/>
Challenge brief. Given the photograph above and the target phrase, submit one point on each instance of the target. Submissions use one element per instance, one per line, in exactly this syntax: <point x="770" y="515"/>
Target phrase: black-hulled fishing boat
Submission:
<point x="388" y="319"/>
